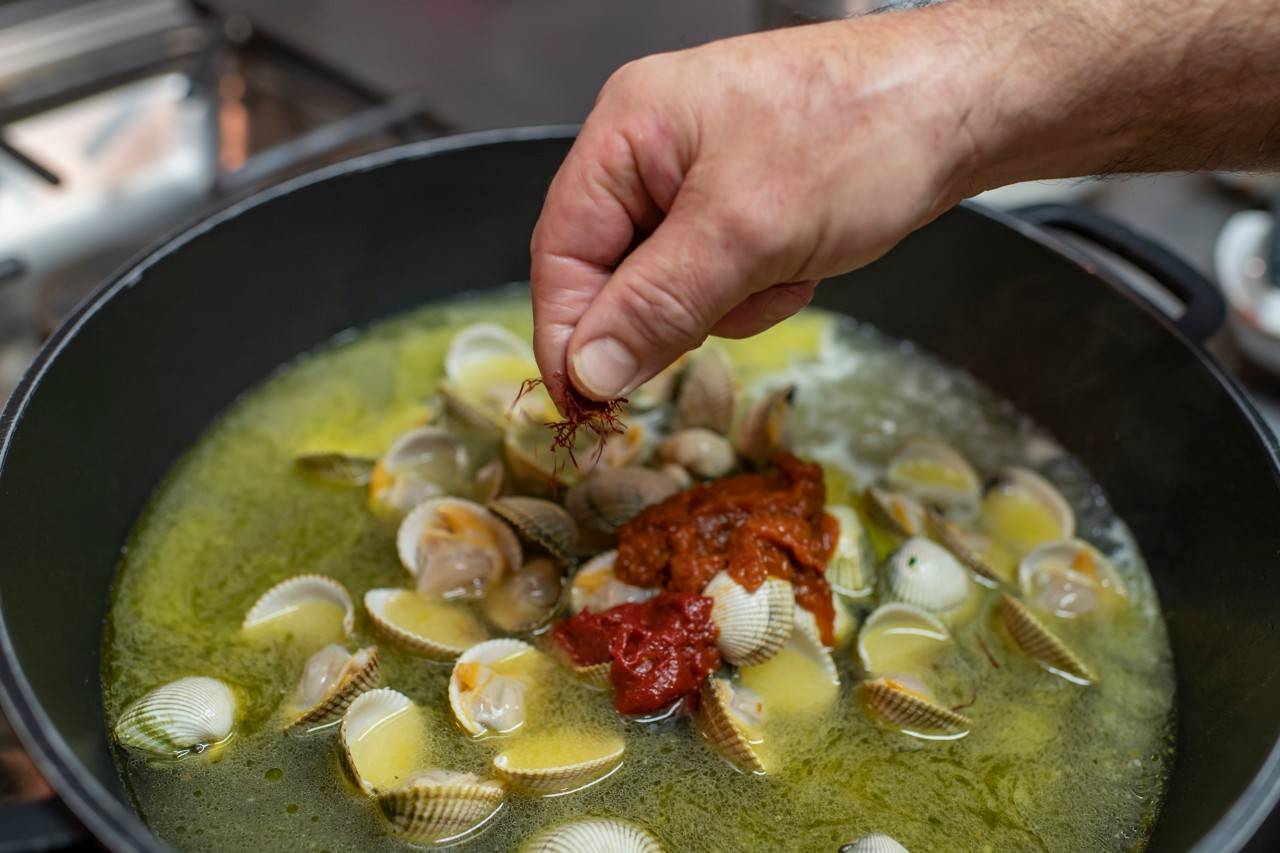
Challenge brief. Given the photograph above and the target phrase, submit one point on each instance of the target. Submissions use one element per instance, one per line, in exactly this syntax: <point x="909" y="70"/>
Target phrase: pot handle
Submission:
<point x="1204" y="308"/>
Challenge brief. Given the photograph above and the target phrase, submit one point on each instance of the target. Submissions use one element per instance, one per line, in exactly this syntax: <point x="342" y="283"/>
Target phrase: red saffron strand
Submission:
<point x="600" y="417"/>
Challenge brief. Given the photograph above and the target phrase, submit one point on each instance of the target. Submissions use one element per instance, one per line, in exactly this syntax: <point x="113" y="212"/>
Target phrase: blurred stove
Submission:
<point x="120" y="120"/>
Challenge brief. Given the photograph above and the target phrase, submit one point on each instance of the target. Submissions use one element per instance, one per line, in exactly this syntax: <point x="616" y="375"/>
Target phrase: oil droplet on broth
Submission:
<point x="275" y="774"/>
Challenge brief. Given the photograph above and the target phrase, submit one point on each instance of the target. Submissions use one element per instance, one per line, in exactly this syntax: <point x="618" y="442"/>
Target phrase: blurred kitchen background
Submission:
<point x="122" y="120"/>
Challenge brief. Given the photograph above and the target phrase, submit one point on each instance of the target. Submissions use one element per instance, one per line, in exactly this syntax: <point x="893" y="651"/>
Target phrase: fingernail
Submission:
<point x="784" y="303"/>
<point x="605" y="367"/>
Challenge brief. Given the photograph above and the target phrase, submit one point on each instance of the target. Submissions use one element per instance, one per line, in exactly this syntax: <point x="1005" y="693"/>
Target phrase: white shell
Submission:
<point x="701" y="452"/>
<point x="732" y="718"/>
<point x="190" y="714"/>
<point x="290" y="593"/>
<point x="897" y="616"/>
<point x="924" y="574"/>
<point x="571" y="776"/>
<point x="963" y="492"/>
<point x="363" y="714"/>
<point x="479" y="343"/>
<point x="875" y="843"/>
<point x="594" y="835"/>
<point x="1031" y="485"/>
<point x="468" y="560"/>
<point x="841" y="626"/>
<point x="595" y="588"/>
<point x="495" y="703"/>
<point x="902" y="514"/>
<point x="422" y="463"/>
<point x="752" y="625"/>
<point x="331" y="679"/>
<point x="437" y="646"/>
<point x="1068" y="577"/>
<point x="851" y="570"/>
<point x="435" y="806"/>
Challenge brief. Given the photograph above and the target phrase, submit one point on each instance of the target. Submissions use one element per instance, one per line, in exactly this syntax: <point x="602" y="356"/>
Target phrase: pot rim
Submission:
<point x="119" y="827"/>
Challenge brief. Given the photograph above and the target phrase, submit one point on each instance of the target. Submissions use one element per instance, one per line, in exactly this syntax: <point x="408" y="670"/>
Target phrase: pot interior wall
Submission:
<point x="152" y="366"/>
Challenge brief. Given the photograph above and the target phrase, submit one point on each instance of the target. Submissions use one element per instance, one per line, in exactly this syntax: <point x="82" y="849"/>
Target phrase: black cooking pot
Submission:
<point x="127" y="385"/>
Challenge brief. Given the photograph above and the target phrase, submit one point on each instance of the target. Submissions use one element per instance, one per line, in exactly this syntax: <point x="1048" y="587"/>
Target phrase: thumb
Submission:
<point x="661" y="302"/>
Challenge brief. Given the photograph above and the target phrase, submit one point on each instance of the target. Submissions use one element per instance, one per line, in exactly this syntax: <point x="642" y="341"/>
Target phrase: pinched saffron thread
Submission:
<point x="600" y="417"/>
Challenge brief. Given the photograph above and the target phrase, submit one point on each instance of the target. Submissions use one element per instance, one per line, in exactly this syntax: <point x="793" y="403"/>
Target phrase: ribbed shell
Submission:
<point x="337" y="469"/>
<point x="926" y="575"/>
<point x="807" y="639"/>
<point x="851" y="570"/>
<point x="365" y="711"/>
<point x="594" y="835"/>
<point x="719" y="725"/>
<point x="1039" y="489"/>
<point x="599" y="571"/>
<point x="940" y="453"/>
<point x="428" y="812"/>
<point x="359" y="676"/>
<point x="956" y="540"/>
<point x="896" y="613"/>
<point x="188" y="714"/>
<point x="542" y="522"/>
<point x="426" y="515"/>
<point x="489" y="651"/>
<point x="436" y="648"/>
<point x="1040" y="644"/>
<point x="707" y="393"/>
<point x="556" y="780"/>
<point x="610" y="498"/>
<point x="481" y="342"/>
<point x="766" y="427"/>
<point x="876" y="843"/>
<point x="597" y="675"/>
<point x="301" y="588"/>
<point x="910" y="712"/>
<point x="752" y="625"/>
<point x="900" y="513"/>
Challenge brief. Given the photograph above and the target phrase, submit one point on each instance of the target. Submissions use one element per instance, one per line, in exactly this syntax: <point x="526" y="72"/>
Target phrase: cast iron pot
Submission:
<point x="145" y="365"/>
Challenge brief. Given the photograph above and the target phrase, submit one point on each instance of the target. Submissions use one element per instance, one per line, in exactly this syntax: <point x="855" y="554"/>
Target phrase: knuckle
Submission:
<point x="663" y="315"/>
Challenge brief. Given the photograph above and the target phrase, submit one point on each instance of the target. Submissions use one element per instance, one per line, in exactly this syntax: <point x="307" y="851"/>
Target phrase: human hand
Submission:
<point x="710" y="190"/>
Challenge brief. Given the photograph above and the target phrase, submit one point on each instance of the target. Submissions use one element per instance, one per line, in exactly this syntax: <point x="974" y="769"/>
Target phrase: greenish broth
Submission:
<point x="1048" y="765"/>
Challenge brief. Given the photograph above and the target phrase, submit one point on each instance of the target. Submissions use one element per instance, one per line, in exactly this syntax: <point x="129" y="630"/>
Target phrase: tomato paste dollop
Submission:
<point x="661" y="649"/>
<point x="752" y="525"/>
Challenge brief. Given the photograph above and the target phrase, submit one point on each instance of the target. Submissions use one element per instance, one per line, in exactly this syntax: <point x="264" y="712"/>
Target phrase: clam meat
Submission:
<point x="423" y="463"/>
<point x="596" y="588"/>
<point x="1068" y="578"/>
<point x="732" y="717"/>
<point x="490" y="686"/>
<point x="456" y="548"/>
<point x="331" y="680"/>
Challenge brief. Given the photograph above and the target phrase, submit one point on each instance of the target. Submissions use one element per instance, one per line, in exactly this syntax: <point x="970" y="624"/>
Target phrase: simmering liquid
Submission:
<point x="1048" y="765"/>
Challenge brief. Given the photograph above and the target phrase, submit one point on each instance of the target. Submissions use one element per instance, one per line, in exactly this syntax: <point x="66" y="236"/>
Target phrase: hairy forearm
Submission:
<point x="1072" y="87"/>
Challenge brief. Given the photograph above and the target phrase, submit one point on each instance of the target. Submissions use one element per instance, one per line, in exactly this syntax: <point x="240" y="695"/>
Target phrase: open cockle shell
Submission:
<point x="905" y="704"/>
<point x="842" y="623"/>
<point x="731" y="717"/>
<point x="337" y="469"/>
<point x="485" y="367"/>
<point x="489" y="683"/>
<point x="187" y="715"/>
<point x="382" y="740"/>
<point x="800" y="680"/>
<point x="1040" y="644"/>
<point x="851" y="569"/>
<point x="544" y="523"/>
<point x="707" y="392"/>
<point x="970" y="547"/>
<point x="898" y="637"/>
<point x="423" y="626"/>
<point x="423" y="463"/>
<point x="330" y="682"/>
<point x="557" y="762"/>
<point x="456" y="548"/>
<point x="934" y="473"/>
<point x="1068" y="578"/>
<point x="701" y="452"/>
<point x="875" y="843"/>
<point x="765" y="429"/>
<point x="596" y="588"/>
<point x="436" y="806"/>
<point x="926" y="575"/>
<point x="596" y="674"/>
<point x="296" y="598"/>
<point x="593" y="835"/>
<point x="902" y="514"/>
<point x="1023" y="510"/>
<point x="752" y="625"/>
<point x="610" y="498"/>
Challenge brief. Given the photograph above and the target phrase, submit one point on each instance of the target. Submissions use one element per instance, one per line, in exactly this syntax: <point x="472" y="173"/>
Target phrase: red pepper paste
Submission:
<point x="661" y="649"/>
<point x="752" y="525"/>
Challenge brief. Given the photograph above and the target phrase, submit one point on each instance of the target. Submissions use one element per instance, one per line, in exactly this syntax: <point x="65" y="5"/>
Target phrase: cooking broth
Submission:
<point x="1047" y="765"/>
